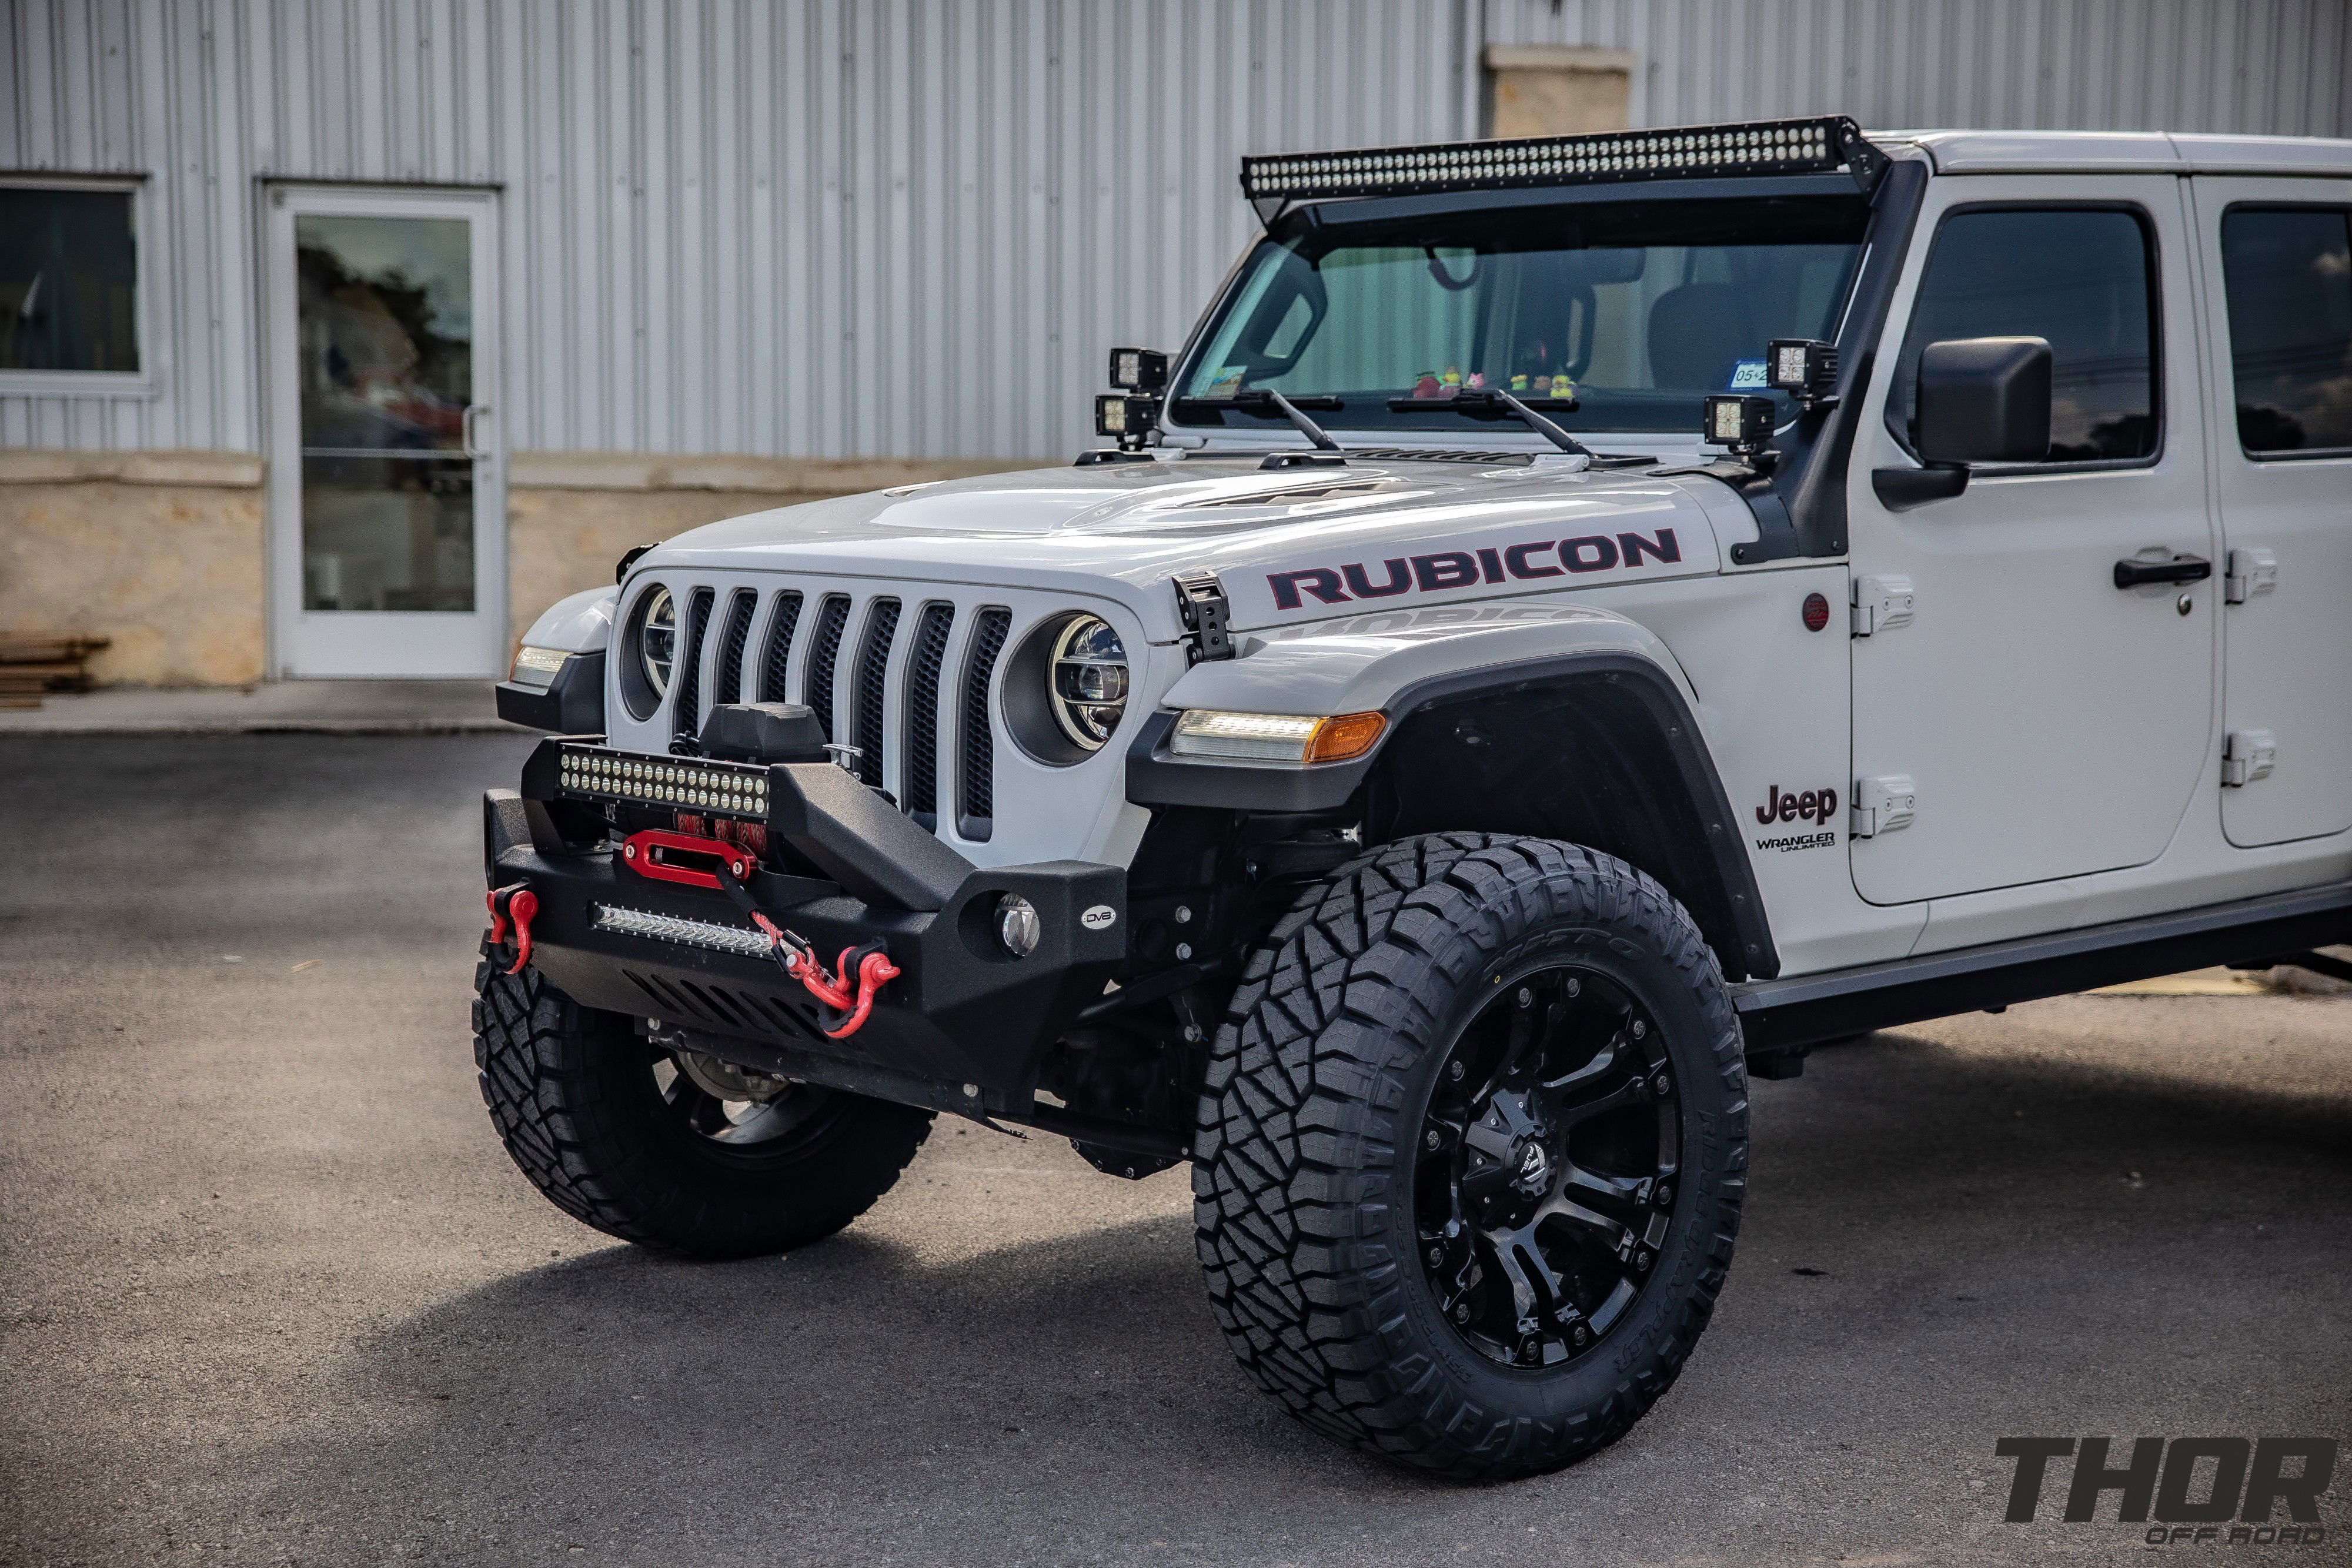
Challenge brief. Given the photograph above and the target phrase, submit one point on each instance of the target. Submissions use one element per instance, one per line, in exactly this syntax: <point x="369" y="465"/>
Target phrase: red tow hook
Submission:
<point x="515" y="902"/>
<point x="844" y="997"/>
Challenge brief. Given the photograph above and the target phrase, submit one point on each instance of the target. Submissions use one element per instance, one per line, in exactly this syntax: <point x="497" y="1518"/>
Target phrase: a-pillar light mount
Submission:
<point x="1138" y="369"/>
<point x="1740" y="422"/>
<point x="1804" y="367"/>
<point x="1128" y="418"/>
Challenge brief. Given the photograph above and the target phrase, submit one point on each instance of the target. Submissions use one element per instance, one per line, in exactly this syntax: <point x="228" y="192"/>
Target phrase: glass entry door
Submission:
<point x="386" y="507"/>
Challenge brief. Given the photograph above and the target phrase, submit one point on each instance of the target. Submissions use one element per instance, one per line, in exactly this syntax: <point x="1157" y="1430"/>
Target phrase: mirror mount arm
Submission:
<point x="1901" y="489"/>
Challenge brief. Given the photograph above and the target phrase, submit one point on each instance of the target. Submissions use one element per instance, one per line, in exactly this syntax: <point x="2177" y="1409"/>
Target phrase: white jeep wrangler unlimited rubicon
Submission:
<point x="1582" y="621"/>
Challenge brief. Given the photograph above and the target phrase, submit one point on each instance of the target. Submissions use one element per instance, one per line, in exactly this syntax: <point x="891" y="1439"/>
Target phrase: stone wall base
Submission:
<point x="164" y="553"/>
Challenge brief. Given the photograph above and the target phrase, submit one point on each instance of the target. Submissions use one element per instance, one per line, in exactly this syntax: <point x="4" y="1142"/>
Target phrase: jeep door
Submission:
<point x="2278" y="285"/>
<point x="2049" y="723"/>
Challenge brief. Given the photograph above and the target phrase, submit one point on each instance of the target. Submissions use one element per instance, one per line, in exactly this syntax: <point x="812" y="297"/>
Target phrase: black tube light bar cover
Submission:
<point x="1684" y="152"/>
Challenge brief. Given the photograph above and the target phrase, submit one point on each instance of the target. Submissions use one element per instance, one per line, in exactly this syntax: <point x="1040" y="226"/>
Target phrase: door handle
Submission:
<point x="465" y="437"/>
<point x="2180" y="569"/>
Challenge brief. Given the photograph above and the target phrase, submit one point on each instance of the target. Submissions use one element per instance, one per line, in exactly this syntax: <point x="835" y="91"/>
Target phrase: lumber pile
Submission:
<point x="32" y="663"/>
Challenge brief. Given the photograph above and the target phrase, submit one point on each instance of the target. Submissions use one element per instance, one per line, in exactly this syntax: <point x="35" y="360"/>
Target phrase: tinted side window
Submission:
<point x="2288" y="275"/>
<point x="2079" y="278"/>
<point x="68" y="280"/>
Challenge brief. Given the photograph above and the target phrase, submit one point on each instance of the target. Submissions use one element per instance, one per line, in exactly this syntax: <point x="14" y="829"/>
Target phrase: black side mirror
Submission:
<point x="1984" y="400"/>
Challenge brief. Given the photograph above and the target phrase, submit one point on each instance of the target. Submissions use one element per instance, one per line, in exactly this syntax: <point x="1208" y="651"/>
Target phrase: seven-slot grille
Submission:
<point x="691" y="783"/>
<point x="905" y="681"/>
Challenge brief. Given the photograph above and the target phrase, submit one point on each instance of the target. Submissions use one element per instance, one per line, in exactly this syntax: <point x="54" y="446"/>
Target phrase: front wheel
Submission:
<point x="675" y="1150"/>
<point x="1473" y="1147"/>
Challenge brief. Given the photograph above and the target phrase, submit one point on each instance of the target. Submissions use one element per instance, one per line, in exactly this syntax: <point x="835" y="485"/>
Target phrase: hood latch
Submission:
<point x="1200" y="601"/>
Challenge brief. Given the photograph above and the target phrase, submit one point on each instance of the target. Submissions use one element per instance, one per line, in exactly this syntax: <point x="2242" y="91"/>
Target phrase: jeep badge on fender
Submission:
<point x="1341" y="781"/>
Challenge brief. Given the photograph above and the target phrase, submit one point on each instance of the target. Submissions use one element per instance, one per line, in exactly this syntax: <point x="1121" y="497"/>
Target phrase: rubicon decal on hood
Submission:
<point x="1442" y="570"/>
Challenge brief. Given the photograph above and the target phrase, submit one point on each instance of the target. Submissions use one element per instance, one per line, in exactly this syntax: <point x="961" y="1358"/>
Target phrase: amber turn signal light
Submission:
<point x="1348" y="737"/>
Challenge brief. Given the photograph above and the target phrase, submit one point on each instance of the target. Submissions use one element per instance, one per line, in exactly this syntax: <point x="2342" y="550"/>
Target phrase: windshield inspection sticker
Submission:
<point x="1747" y="375"/>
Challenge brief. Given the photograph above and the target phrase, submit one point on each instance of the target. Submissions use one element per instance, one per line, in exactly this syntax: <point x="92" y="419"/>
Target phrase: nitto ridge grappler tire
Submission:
<point x="1472" y="1151"/>
<point x="674" y="1150"/>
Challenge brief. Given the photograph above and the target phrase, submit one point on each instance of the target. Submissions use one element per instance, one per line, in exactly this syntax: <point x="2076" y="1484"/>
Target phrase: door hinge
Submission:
<point x="2248" y="754"/>
<point x="1201" y="601"/>
<point x="1883" y="805"/>
<point x="2251" y="571"/>
<point x="1880" y="604"/>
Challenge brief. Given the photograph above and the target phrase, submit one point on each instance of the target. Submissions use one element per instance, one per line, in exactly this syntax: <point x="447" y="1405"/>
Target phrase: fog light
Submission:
<point x="1742" y="424"/>
<point x="1017" y="926"/>
<point x="1803" y="368"/>
<point x="1125" y="415"/>
<point x="1138" y="369"/>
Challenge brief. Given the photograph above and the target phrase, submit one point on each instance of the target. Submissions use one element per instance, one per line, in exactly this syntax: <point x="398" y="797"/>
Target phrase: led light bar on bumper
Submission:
<point x="693" y="783"/>
<point x="1698" y="152"/>
<point x="1274" y="737"/>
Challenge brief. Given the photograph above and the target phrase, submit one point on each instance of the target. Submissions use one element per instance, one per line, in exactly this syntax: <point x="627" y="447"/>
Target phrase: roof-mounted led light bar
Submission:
<point x="690" y="783"/>
<point x="1685" y="152"/>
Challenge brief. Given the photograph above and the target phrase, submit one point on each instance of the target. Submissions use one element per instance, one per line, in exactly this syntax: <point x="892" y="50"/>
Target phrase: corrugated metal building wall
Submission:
<point x="910" y="227"/>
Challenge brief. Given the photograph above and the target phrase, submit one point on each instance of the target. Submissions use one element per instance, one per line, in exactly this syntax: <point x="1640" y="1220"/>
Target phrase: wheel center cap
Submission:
<point x="1533" y="1172"/>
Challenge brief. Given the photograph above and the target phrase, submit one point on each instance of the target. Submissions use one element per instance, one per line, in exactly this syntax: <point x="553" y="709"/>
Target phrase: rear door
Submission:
<point x="2041" y="722"/>
<point x="2277" y="258"/>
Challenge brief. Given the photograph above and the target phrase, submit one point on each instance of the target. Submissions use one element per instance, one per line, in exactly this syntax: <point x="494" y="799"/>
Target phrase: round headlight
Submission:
<point x="658" y="641"/>
<point x="1088" y="671"/>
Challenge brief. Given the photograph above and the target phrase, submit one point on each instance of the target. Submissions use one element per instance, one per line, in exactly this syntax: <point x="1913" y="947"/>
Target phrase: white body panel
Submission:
<point x="581" y="624"/>
<point x="2055" y="725"/>
<point x="2063" y="736"/>
<point x="2286" y="646"/>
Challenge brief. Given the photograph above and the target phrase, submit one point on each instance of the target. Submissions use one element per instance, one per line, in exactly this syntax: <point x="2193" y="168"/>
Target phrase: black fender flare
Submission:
<point x="1637" y="686"/>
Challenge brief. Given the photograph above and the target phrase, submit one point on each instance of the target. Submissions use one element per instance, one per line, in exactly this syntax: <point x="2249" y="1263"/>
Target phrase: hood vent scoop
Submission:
<point x="1298" y="493"/>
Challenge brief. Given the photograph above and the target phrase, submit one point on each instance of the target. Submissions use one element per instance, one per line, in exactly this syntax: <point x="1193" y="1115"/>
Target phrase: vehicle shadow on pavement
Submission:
<point x="1923" y="1270"/>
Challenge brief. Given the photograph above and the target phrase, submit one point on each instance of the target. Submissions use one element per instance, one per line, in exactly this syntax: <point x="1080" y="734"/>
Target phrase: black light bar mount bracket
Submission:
<point x="1680" y="152"/>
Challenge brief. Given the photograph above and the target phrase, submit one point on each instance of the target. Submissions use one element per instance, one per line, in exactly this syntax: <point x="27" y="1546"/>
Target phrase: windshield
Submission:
<point x="1632" y="310"/>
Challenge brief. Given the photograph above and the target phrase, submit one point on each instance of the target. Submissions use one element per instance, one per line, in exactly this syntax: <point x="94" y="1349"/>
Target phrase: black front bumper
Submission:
<point x="965" y="1026"/>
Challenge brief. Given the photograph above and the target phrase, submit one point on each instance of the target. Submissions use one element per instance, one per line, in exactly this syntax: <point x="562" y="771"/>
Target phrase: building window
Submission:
<point x="69" y="279"/>
<point x="2288" y="274"/>
<point x="2082" y="278"/>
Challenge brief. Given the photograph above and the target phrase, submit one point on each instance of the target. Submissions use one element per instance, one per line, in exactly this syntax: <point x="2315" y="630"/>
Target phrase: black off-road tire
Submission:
<point x="573" y="1093"/>
<point x="1326" y="1064"/>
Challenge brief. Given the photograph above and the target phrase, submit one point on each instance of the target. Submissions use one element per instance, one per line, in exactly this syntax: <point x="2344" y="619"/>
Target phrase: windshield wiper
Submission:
<point x="1492" y="402"/>
<point x="1265" y="404"/>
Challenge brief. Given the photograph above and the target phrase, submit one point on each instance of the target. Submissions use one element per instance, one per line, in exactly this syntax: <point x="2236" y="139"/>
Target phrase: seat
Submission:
<point x="1697" y="332"/>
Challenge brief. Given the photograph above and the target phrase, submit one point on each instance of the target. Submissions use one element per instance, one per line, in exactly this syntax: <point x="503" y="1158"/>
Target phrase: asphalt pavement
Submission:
<point x="271" y="1292"/>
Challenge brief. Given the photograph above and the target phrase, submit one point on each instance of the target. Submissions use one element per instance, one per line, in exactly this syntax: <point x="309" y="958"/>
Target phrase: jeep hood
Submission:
<point x="1288" y="544"/>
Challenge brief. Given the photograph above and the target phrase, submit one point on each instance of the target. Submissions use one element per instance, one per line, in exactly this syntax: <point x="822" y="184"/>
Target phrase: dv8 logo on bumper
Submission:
<point x="1100" y="917"/>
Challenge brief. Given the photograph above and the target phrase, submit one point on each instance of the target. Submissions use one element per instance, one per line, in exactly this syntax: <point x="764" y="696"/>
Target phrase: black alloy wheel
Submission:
<point x="1473" y="1145"/>
<point x="1545" y="1184"/>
